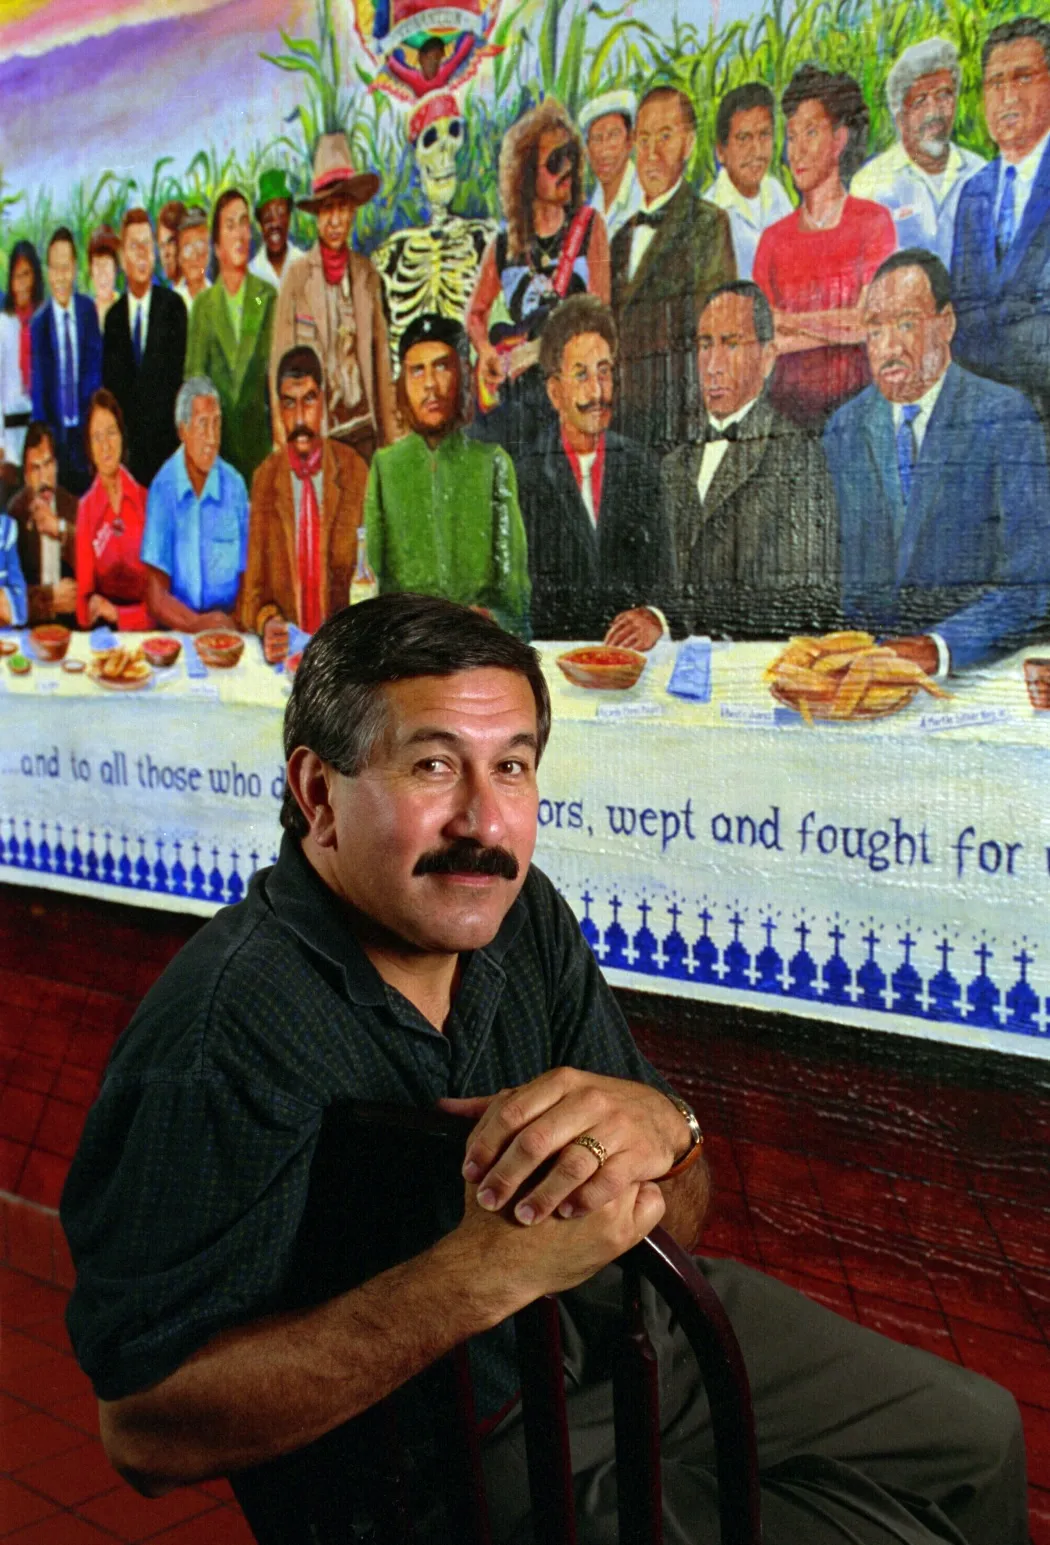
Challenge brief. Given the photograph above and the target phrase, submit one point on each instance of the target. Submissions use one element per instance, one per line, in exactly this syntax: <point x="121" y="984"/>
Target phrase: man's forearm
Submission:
<point x="264" y="1389"/>
<point x="687" y="1197"/>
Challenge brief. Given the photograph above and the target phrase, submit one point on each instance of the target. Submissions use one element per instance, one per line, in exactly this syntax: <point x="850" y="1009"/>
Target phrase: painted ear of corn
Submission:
<point x="845" y="676"/>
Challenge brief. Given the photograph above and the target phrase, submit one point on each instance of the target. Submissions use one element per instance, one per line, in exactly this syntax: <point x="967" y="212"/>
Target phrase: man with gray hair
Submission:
<point x="920" y="178"/>
<point x="196" y="539"/>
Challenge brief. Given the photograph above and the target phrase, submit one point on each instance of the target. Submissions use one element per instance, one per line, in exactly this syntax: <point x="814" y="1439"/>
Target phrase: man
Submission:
<point x="600" y="550"/>
<point x="665" y="263"/>
<point x="744" y="188"/>
<point x="441" y="511"/>
<point x="273" y="211"/>
<point x="943" y="486"/>
<point x="169" y="219"/>
<point x="607" y="125"/>
<point x="13" y="609"/>
<point x="46" y="517"/>
<point x="751" y="502"/>
<point x="143" y="352"/>
<point x="194" y="254"/>
<point x="1001" y="253"/>
<point x="66" y="350"/>
<point x="306" y="504"/>
<point x="920" y="179"/>
<point x="403" y="950"/>
<point x="231" y="327"/>
<point x="331" y="299"/>
<point x="196" y="537"/>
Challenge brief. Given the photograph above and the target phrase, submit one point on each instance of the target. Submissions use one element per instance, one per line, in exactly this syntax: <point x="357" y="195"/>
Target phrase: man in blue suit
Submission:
<point x="1001" y="254"/>
<point x="67" y="361"/>
<point x="943" y="486"/>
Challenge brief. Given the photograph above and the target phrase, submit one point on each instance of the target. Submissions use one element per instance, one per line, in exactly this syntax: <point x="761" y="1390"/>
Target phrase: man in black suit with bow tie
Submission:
<point x="143" y="352"/>
<point x="665" y="263"/>
<point x="600" y="554"/>
<point x="751" y="500"/>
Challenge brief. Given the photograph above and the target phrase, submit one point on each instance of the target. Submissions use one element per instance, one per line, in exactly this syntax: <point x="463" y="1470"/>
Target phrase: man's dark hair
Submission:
<point x="761" y="311"/>
<point x="932" y="267"/>
<point x="63" y="233"/>
<point x="578" y="315"/>
<point x="661" y="93"/>
<point x="1013" y="31"/>
<point x="842" y="100"/>
<point x="337" y="708"/>
<point x="170" y="214"/>
<point x="299" y="364"/>
<point x="24" y="249"/>
<point x="136" y="216"/>
<point x="220" y="204"/>
<point x="742" y="99"/>
<point x="36" y="434"/>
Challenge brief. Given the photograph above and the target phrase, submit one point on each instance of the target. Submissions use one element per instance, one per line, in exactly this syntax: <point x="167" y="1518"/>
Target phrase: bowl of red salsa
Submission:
<point x="163" y="651"/>
<point x="50" y="641"/>
<point x="603" y="666"/>
<point x="219" y="648"/>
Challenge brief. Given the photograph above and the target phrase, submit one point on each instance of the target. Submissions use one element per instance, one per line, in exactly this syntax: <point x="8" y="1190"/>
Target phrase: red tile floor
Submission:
<point x="907" y="1189"/>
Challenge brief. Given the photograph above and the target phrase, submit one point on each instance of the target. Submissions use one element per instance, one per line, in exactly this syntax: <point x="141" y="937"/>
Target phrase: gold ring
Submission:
<point x="585" y="1140"/>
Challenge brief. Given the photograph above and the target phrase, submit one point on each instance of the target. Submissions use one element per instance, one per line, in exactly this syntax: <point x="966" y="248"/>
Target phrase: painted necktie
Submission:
<point x="907" y="450"/>
<point x="136" y="337"/>
<point x="1004" y="225"/>
<point x="69" y="385"/>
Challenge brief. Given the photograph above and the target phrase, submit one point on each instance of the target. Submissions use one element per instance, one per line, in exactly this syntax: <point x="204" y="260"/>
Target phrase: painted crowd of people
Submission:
<point x="657" y="411"/>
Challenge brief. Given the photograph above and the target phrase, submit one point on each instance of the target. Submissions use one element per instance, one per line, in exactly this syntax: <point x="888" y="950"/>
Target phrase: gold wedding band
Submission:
<point x="585" y="1140"/>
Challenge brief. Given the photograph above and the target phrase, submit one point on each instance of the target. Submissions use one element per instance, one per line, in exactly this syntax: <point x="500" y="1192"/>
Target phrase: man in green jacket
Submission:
<point x="231" y="327"/>
<point x="441" y="511"/>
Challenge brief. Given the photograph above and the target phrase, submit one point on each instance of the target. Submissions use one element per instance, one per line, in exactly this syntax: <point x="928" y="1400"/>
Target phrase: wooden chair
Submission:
<point x="674" y="1275"/>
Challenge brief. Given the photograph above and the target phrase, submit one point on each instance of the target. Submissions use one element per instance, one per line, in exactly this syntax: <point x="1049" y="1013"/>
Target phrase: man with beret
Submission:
<point x="441" y="510"/>
<point x="273" y="211"/>
<point x="331" y="300"/>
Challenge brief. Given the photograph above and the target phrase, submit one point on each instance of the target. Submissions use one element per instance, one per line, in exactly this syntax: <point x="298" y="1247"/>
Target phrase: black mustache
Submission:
<point x="301" y="429"/>
<point x="468" y="857"/>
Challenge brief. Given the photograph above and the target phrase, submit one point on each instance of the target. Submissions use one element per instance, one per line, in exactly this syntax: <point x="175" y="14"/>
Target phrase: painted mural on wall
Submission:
<point x="714" y="348"/>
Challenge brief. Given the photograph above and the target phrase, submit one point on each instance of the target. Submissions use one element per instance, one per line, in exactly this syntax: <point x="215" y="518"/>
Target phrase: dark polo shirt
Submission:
<point x="216" y="1181"/>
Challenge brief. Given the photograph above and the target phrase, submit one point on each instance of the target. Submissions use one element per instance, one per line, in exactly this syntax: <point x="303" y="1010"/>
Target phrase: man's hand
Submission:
<point x="535" y="1125"/>
<point x="44" y="515"/>
<point x="275" y="640"/>
<point x="100" y="610"/>
<point x="5" y="610"/>
<point x="64" y="595"/>
<point x="216" y="619"/>
<point x="492" y="367"/>
<point x="638" y="628"/>
<point x="920" y="648"/>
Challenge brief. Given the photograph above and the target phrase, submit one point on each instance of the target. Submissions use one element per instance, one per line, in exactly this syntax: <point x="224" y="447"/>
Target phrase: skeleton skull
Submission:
<point x="436" y="151"/>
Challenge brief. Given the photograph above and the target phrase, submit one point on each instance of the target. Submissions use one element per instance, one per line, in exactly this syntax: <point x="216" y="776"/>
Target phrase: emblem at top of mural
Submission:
<point x="418" y="47"/>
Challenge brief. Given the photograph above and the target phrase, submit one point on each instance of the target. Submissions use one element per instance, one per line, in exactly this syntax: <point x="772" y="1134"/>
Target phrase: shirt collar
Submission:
<point x="211" y="492"/>
<point x="665" y="198"/>
<point x="1027" y="169"/>
<point x="925" y="404"/>
<point x="64" y="310"/>
<point x="733" y="418"/>
<point x="628" y="184"/>
<point x="729" y="195"/>
<point x="301" y="900"/>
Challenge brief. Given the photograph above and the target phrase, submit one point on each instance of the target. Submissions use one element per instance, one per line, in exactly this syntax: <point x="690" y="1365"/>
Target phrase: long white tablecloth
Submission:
<point x="893" y="873"/>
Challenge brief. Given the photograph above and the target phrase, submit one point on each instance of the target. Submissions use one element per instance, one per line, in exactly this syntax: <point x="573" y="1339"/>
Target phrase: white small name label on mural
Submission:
<point x="206" y="689"/>
<point x="740" y="715"/>
<point x="45" y="684"/>
<point x="965" y="719"/>
<point x="630" y="711"/>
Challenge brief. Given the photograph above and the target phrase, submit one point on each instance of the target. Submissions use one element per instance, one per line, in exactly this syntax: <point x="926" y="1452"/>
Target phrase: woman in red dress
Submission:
<point x="111" y="577"/>
<point x="815" y="265"/>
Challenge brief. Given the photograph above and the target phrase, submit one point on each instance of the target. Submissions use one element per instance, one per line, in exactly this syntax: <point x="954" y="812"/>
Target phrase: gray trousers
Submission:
<point x="861" y="1441"/>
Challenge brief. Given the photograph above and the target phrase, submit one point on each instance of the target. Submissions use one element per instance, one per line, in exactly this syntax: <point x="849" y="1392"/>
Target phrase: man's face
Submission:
<point x="733" y="364"/>
<point x="168" y="242"/>
<point x="431" y="372"/>
<point x="234" y="237"/>
<point x="430" y="57"/>
<point x="814" y="145"/>
<point x="555" y="161"/>
<point x="609" y="144"/>
<point x="334" y="219"/>
<point x="582" y="391"/>
<point x="663" y="144"/>
<point x="748" y="151"/>
<point x="275" y="216"/>
<point x="41" y="469"/>
<point x="451" y="782"/>
<point x="61" y="272"/>
<point x="136" y="256"/>
<point x="908" y="339"/>
<point x="927" y="115"/>
<point x="194" y="248"/>
<point x="1017" y="96"/>
<point x="302" y="408"/>
<point x="201" y="436"/>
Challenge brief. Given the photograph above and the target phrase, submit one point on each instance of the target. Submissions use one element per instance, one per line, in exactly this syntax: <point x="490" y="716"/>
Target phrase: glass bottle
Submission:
<point x="363" y="585"/>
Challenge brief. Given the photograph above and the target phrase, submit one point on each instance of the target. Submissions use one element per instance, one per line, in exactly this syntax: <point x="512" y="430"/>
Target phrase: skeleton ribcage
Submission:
<point x="432" y="269"/>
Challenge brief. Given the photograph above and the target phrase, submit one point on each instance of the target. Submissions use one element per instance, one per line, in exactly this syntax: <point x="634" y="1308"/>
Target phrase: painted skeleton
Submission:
<point x="433" y="267"/>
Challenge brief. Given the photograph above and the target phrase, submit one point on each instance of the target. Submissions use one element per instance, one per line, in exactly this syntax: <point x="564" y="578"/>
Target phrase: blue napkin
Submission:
<point x="103" y="637"/>
<point x="195" y="666"/>
<point x="297" y="640"/>
<point x="691" y="677"/>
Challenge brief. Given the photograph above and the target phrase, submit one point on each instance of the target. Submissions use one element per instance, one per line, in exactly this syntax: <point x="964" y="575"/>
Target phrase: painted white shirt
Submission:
<point x="642" y="235"/>
<point x="748" y="217"/>
<point x="923" y="206"/>
<point x="715" y="450"/>
<point x="627" y="202"/>
<point x="262" y="268"/>
<point x="134" y="307"/>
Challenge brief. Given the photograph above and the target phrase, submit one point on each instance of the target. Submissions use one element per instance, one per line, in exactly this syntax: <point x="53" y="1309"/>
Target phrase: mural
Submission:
<point x="707" y="347"/>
